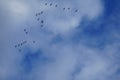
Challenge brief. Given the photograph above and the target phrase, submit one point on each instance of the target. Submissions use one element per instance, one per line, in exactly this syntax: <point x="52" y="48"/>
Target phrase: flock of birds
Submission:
<point x="21" y="44"/>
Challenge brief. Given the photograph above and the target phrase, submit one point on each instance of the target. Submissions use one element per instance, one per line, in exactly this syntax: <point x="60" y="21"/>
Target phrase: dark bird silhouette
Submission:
<point x="33" y="41"/>
<point x="15" y="46"/>
<point x="76" y="10"/>
<point x="42" y="21"/>
<point x="56" y="5"/>
<point x="21" y="44"/>
<point x="45" y="3"/>
<point x="41" y="12"/>
<point x="50" y="4"/>
<point x="68" y="8"/>
<point x="63" y="8"/>
<point x="18" y="45"/>
<point x="25" y="30"/>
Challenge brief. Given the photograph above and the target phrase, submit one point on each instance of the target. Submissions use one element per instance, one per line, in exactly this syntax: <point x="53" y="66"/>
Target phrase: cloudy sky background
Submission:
<point x="83" y="45"/>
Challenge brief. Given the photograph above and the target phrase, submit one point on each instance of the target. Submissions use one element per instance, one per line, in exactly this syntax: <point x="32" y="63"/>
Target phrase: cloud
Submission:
<point x="58" y="21"/>
<point x="55" y="55"/>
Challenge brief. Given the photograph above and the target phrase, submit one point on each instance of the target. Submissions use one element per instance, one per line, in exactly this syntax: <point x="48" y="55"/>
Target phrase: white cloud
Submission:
<point x="59" y="21"/>
<point x="92" y="63"/>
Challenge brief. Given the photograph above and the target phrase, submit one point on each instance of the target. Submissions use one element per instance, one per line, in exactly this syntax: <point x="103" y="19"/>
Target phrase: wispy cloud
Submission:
<point x="71" y="45"/>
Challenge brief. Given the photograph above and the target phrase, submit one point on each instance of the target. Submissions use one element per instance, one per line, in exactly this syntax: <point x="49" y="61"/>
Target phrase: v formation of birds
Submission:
<point x="19" y="45"/>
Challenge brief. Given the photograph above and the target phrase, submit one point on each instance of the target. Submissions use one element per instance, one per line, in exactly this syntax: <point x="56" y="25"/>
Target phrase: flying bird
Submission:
<point x="42" y="21"/>
<point x="76" y="10"/>
<point x="26" y="32"/>
<point x="18" y="45"/>
<point x="33" y="41"/>
<point x="15" y="46"/>
<point x="41" y="12"/>
<point x="45" y="3"/>
<point x="50" y="4"/>
<point x="68" y="8"/>
<point x="56" y="5"/>
<point x="21" y="44"/>
<point x="63" y="8"/>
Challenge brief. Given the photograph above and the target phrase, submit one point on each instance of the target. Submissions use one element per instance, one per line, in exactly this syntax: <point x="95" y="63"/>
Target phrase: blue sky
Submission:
<point x="75" y="40"/>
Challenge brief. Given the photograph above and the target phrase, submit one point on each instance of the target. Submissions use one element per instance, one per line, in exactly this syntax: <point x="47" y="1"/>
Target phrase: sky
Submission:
<point x="59" y="40"/>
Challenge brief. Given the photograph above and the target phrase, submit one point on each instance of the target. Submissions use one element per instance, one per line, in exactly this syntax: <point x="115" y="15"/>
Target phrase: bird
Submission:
<point x="63" y="8"/>
<point x="25" y="30"/>
<point x="15" y="46"/>
<point x="41" y="12"/>
<point x="21" y="44"/>
<point x="76" y="10"/>
<point x="18" y="45"/>
<point x="45" y="3"/>
<point x="68" y="8"/>
<point x="50" y="4"/>
<point x="42" y="21"/>
<point x="56" y="5"/>
<point x="24" y="42"/>
<point x="33" y="41"/>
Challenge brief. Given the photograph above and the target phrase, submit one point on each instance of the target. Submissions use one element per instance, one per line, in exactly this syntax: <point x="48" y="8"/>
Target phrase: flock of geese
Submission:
<point x="21" y="44"/>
